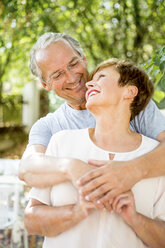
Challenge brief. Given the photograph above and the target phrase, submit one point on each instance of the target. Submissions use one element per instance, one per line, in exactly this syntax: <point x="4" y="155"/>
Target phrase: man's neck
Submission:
<point x="81" y="106"/>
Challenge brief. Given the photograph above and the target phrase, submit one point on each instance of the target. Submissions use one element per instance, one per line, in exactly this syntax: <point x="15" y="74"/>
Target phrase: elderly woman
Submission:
<point x="116" y="93"/>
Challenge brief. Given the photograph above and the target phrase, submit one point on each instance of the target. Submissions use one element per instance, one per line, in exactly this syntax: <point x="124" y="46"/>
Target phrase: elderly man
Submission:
<point x="59" y="62"/>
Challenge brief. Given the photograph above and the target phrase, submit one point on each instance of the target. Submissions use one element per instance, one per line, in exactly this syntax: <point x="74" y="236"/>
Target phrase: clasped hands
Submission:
<point x="108" y="186"/>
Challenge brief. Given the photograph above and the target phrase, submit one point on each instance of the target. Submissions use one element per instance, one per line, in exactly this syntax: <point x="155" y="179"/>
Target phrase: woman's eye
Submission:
<point x="101" y="75"/>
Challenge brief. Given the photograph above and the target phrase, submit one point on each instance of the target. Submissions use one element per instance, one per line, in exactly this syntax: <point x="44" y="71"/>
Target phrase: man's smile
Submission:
<point x="77" y="85"/>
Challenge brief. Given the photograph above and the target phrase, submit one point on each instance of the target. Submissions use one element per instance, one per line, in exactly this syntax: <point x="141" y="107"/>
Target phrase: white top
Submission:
<point x="100" y="229"/>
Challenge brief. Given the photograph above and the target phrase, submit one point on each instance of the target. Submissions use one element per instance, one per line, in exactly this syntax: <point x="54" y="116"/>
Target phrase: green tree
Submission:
<point x="125" y="29"/>
<point x="156" y="70"/>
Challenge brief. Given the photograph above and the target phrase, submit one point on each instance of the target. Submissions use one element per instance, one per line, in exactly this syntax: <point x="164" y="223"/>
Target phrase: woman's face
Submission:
<point x="103" y="89"/>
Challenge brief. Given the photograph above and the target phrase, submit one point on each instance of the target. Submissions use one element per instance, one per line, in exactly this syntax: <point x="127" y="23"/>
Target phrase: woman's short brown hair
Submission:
<point x="130" y="74"/>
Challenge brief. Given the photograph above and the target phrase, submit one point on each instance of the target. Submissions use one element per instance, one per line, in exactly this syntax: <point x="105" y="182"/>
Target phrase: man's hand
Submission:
<point x="108" y="181"/>
<point x="150" y="231"/>
<point x="124" y="205"/>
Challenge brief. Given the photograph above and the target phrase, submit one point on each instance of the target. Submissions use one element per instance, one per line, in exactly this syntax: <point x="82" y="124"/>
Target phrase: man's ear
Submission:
<point x="85" y="60"/>
<point x="46" y="86"/>
<point x="130" y="92"/>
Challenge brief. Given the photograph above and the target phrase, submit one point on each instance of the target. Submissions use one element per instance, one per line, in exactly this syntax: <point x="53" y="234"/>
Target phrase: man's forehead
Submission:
<point x="58" y="49"/>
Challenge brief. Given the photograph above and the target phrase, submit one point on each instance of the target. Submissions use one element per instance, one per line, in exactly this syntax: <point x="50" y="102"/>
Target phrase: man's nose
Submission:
<point x="70" y="77"/>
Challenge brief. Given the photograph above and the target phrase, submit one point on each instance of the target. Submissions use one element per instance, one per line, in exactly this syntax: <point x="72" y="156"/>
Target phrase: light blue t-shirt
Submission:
<point x="150" y="122"/>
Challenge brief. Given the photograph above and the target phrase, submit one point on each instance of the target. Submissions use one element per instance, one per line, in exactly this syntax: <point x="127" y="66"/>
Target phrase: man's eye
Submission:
<point x="74" y="64"/>
<point x="57" y="76"/>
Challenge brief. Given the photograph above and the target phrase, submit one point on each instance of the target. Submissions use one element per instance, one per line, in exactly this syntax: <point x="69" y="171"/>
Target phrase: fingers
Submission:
<point x="109" y="196"/>
<point x="118" y="198"/>
<point x="97" y="162"/>
<point x="111" y="199"/>
<point x="98" y="192"/>
<point x="87" y="204"/>
<point x="108" y="207"/>
<point x="101" y="206"/>
<point x="121" y="200"/>
<point x="88" y="177"/>
<point x="121" y="204"/>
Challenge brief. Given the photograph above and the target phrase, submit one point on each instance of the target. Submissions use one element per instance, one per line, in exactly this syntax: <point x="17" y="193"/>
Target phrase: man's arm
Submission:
<point x="49" y="221"/>
<point x="150" y="231"/>
<point x="115" y="177"/>
<point x="41" y="219"/>
<point x="44" y="220"/>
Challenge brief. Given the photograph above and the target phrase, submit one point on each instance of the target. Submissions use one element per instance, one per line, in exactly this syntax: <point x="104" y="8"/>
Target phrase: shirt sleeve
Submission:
<point x="40" y="132"/>
<point x="42" y="195"/>
<point x="150" y="122"/>
<point x="159" y="204"/>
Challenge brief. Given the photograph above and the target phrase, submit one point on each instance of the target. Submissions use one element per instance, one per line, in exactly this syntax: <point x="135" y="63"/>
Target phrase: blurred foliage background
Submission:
<point x="131" y="29"/>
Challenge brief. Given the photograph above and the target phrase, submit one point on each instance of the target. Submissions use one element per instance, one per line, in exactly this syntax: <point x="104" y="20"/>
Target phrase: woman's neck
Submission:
<point x="112" y="132"/>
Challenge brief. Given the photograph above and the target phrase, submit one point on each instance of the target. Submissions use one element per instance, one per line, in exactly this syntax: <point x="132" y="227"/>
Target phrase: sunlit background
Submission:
<point x="133" y="29"/>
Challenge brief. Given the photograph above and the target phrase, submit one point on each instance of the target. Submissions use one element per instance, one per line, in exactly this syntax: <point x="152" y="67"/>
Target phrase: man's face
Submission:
<point x="65" y="71"/>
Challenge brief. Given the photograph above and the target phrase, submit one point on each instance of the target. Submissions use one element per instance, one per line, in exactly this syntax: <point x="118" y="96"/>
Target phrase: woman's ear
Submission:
<point x="46" y="86"/>
<point x="130" y="92"/>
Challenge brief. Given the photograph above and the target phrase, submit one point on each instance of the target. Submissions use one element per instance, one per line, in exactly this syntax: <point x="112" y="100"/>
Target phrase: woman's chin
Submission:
<point x="90" y="106"/>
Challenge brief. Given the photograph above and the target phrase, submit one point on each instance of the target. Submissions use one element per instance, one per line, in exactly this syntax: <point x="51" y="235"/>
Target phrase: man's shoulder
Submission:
<point x="63" y="111"/>
<point x="149" y="143"/>
<point x="149" y="122"/>
<point x="43" y="128"/>
<point x="57" y="112"/>
<point x="51" y="116"/>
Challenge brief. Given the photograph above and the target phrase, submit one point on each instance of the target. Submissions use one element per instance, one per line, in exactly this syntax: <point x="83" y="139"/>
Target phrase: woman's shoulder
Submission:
<point x="70" y="134"/>
<point x="149" y="143"/>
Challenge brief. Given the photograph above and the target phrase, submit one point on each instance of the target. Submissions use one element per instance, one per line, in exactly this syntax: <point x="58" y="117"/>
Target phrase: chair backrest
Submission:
<point x="9" y="204"/>
<point x="9" y="166"/>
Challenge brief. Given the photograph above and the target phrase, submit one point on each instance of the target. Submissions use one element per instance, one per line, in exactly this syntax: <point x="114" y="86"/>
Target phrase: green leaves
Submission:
<point x="158" y="96"/>
<point x="124" y="29"/>
<point x="156" y="70"/>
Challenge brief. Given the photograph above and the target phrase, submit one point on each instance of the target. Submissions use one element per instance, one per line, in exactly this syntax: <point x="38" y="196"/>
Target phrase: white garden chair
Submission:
<point x="11" y="216"/>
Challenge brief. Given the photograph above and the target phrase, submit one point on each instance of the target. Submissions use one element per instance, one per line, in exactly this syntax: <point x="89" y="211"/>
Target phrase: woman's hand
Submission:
<point x="76" y="169"/>
<point x="84" y="207"/>
<point x="109" y="180"/>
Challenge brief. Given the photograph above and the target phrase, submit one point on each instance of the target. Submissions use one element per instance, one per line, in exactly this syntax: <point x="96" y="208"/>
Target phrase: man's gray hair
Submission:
<point x="44" y="41"/>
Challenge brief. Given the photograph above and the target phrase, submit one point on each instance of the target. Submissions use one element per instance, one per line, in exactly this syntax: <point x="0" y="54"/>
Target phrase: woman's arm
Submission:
<point x="151" y="232"/>
<point x="40" y="170"/>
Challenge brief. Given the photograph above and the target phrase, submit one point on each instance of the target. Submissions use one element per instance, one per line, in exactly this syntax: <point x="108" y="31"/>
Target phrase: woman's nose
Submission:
<point x="89" y="84"/>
